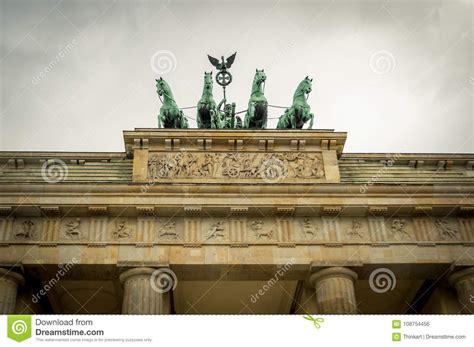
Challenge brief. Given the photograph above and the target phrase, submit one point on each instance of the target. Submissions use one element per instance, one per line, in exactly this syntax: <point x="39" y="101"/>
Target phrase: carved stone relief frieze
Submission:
<point x="445" y="230"/>
<point x="168" y="229"/>
<point x="73" y="229"/>
<point x="309" y="229"/>
<point x="26" y="230"/>
<point x="216" y="231"/>
<point x="236" y="165"/>
<point x="189" y="230"/>
<point x="400" y="229"/>
<point x="122" y="230"/>
<point x="261" y="230"/>
<point x="355" y="229"/>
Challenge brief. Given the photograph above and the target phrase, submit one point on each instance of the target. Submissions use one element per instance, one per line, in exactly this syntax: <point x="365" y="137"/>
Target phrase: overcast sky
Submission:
<point x="396" y="75"/>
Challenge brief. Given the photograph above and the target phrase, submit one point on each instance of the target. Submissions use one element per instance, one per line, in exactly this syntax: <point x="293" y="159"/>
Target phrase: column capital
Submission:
<point x="136" y="272"/>
<point x="146" y="290"/>
<point x="331" y="272"/>
<point x="463" y="281"/>
<point x="12" y="276"/>
<point x="461" y="275"/>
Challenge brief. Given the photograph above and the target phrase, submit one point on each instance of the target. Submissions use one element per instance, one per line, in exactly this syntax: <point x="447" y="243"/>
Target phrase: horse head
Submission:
<point x="260" y="77"/>
<point x="208" y="82"/>
<point x="306" y="86"/>
<point x="162" y="88"/>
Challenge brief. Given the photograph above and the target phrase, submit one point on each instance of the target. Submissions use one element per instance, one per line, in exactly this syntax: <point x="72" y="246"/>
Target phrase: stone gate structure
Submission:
<point x="240" y="222"/>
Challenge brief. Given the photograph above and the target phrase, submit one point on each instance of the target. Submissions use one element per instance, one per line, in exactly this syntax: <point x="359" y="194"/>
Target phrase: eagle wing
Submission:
<point x="230" y="60"/>
<point x="215" y="62"/>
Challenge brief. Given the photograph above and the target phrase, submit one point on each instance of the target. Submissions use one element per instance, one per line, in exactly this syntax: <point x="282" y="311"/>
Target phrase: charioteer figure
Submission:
<point x="228" y="119"/>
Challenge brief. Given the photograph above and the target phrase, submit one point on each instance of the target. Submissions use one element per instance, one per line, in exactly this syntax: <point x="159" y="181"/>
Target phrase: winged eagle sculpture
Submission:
<point x="222" y="64"/>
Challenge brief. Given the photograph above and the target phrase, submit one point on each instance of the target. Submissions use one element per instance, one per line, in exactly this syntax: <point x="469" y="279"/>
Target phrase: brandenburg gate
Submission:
<point x="236" y="221"/>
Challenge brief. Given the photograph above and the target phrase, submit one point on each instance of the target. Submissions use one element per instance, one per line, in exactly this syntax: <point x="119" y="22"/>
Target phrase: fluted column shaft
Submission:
<point x="463" y="281"/>
<point x="9" y="283"/>
<point x="141" y="295"/>
<point x="335" y="290"/>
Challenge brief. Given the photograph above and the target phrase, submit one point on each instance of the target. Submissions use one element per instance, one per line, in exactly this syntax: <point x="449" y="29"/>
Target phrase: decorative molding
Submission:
<point x="192" y="210"/>
<point x="331" y="210"/>
<point x="5" y="210"/>
<point x="285" y="211"/>
<point x="239" y="211"/>
<point x="238" y="231"/>
<point x="50" y="210"/>
<point x="377" y="211"/>
<point x="422" y="210"/>
<point x="466" y="210"/>
<point x="98" y="210"/>
<point x="145" y="210"/>
<point x="377" y="230"/>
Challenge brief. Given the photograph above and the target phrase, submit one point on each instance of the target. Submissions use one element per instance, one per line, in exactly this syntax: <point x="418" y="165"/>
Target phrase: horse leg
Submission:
<point x="213" y="120"/>
<point x="265" y="119"/>
<point x="293" y="118"/>
<point x="311" y="121"/>
<point x="298" y="118"/>
<point x="198" y="118"/>
<point x="279" y="123"/>
<point x="183" y="120"/>
<point x="250" y="115"/>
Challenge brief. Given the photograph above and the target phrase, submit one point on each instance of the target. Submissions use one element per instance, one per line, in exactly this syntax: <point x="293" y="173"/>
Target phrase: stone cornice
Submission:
<point x="224" y="140"/>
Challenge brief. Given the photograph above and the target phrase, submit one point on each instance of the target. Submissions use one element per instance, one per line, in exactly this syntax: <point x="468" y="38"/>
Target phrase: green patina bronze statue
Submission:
<point x="223" y="115"/>
<point x="207" y="114"/>
<point x="227" y="117"/>
<point x="299" y="113"/>
<point x="256" y="116"/>
<point x="170" y="115"/>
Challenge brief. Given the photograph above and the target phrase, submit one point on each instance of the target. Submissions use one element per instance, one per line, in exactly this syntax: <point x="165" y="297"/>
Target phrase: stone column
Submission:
<point x="146" y="291"/>
<point x="335" y="290"/>
<point x="463" y="281"/>
<point x="9" y="283"/>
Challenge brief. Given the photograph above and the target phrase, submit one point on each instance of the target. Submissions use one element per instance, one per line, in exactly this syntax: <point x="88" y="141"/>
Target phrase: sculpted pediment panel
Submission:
<point x="265" y="167"/>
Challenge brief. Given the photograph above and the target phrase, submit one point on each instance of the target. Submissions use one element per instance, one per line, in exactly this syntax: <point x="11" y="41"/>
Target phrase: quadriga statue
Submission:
<point x="256" y="116"/>
<point x="170" y="115"/>
<point x="299" y="113"/>
<point x="207" y="115"/>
